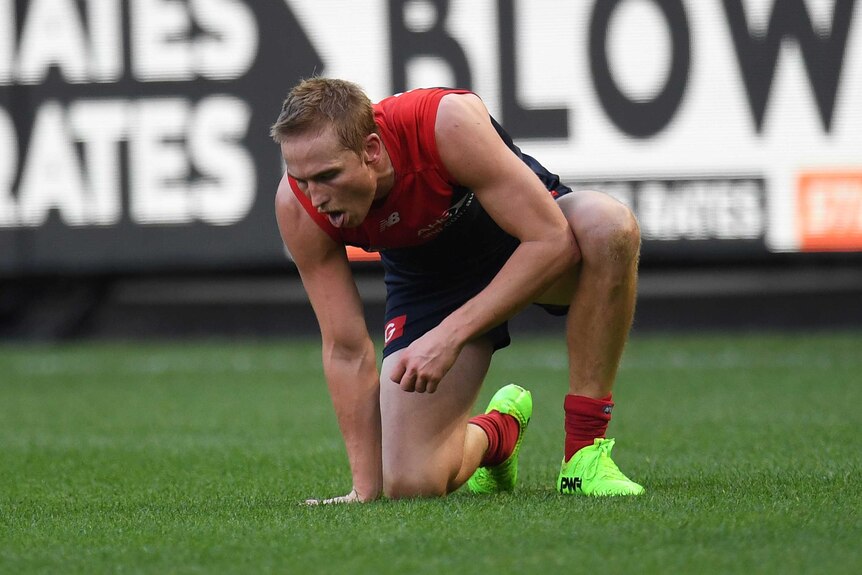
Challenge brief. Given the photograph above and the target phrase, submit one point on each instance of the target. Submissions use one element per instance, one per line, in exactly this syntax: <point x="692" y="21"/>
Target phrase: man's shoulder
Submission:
<point x="408" y="124"/>
<point x="459" y="108"/>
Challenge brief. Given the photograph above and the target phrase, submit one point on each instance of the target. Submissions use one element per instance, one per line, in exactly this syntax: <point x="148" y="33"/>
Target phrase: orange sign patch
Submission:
<point x="355" y="254"/>
<point x="829" y="211"/>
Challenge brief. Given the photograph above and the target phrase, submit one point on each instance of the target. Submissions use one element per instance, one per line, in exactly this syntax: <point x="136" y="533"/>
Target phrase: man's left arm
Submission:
<point x="476" y="157"/>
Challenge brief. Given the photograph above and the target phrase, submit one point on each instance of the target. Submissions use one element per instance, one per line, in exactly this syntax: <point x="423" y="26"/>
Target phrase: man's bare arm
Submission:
<point x="476" y="157"/>
<point x="516" y="199"/>
<point x="349" y="361"/>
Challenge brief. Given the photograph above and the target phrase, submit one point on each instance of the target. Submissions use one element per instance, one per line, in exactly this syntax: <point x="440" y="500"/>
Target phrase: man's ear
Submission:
<point x="373" y="148"/>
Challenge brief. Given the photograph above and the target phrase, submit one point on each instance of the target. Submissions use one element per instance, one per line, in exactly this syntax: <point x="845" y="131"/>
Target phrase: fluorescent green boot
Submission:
<point x="517" y="402"/>
<point x="591" y="471"/>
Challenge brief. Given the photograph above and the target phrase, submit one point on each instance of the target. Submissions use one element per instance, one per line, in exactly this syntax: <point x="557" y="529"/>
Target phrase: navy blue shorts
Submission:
<point x="427" y="283"/>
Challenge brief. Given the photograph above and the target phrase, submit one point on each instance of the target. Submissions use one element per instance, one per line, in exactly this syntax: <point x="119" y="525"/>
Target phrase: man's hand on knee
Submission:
<point x="425" y="362"/>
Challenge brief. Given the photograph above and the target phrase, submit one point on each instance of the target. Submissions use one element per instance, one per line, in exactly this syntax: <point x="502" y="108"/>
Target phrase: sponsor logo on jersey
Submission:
<point x="394" y="329"/>
<point x="447" y="218"/>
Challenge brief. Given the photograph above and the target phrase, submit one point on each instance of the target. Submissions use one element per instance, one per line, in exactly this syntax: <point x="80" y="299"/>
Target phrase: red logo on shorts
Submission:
<point x="394" y="328"/>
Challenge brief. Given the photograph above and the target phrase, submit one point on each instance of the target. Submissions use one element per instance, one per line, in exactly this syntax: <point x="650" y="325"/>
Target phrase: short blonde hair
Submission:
<point x="315" y="102"/>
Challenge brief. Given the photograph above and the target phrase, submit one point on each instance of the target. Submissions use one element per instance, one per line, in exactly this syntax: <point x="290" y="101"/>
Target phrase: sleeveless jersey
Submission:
<point x="420" y="202"/>
<point x="427" y="214"/>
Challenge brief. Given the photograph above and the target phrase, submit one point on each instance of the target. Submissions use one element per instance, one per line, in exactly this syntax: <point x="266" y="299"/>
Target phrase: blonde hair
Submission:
<point x="315" y="102"/>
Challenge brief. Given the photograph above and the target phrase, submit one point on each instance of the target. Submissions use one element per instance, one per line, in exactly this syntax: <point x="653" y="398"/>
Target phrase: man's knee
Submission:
<point x="607" y="231"/>
<point x="404" y="485"/>
<point x="622" y="235"/>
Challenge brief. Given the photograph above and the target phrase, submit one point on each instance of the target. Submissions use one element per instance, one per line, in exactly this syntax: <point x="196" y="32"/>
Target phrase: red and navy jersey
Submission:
<point x="421" y="200"/>
<point x="425" y="201"/>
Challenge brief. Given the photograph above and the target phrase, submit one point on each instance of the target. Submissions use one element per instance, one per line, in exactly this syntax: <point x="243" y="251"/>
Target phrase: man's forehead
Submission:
<point x="318" y="136"/>
<point x="320" y="145"/>
<point x="305" y="161"/>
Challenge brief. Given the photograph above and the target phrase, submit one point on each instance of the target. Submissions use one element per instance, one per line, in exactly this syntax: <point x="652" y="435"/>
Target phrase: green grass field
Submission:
<point x="194" y="458"/>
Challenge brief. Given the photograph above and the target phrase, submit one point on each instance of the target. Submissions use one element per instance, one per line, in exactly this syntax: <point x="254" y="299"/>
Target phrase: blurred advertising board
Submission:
<point x="134" y="134"/>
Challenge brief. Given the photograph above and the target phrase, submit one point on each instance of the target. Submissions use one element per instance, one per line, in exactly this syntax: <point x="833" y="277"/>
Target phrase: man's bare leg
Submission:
<point x="603" y="304"/>
<point x="429" y="449"/>
<point x="600" y="291"/>
<point x="601" y="294"/>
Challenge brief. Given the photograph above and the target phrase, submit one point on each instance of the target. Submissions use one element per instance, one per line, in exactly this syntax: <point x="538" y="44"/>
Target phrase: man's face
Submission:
<point x="339" y="182"/>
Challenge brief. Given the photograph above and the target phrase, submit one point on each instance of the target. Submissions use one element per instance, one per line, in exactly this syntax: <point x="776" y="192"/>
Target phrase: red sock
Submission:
<point x="502" y="430"/>
<point x="586" y="419"/>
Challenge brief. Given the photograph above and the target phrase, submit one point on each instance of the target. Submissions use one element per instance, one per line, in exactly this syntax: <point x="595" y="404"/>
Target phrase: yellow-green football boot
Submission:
<point x="516" y="401"/>
<point x="591" y="471"/>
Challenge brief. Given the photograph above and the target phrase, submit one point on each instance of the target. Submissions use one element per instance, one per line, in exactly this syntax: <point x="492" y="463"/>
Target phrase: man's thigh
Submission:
<point x="423" y="433"/>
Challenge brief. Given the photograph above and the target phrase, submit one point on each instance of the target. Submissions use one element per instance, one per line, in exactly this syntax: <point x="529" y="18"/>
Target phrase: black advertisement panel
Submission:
<point x="134" y="133"/>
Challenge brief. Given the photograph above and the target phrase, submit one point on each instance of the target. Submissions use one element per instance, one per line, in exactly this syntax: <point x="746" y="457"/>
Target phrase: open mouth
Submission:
<point x="337" y="219"/>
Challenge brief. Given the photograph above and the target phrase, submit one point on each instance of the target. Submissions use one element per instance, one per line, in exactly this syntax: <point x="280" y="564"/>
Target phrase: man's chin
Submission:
<point x="353" y="221"/>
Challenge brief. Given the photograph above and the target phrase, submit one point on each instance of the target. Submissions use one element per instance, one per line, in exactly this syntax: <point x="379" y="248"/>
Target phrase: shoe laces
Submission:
<point x="602" y="465"/>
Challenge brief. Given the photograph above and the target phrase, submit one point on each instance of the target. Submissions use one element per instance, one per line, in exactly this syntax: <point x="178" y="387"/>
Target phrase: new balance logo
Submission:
<point x="386" y="223"/>
<point x="570" y="484"/>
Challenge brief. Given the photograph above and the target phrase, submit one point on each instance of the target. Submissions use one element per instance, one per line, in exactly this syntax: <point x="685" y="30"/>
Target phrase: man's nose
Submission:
<point x="318" y="198"/>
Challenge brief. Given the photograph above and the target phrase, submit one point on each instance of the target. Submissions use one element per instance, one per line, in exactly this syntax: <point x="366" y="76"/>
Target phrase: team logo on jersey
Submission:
<point x="447" y="218"/>
<point x="394" y="329"/>
<point x="387" y="223"/>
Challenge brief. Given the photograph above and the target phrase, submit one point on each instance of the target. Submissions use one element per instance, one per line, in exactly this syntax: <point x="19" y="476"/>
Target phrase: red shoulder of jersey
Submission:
<point x="423" y="190"/>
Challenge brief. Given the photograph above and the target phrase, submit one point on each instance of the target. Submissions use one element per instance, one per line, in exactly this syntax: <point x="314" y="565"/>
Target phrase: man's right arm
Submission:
<point x="349" y="361"/>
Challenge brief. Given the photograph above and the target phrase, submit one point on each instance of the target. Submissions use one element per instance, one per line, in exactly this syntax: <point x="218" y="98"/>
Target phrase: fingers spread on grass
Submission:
<point x="351" y="497"/>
